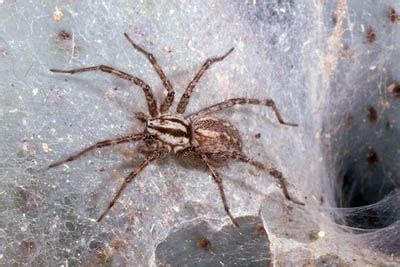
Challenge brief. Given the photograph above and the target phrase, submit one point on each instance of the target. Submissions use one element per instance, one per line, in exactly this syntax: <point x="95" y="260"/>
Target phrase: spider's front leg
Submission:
<point x="151" y="102"/>
<point x="184" y="101"/>
<point x="166" y="104"/>
<point x="110" y="142"/>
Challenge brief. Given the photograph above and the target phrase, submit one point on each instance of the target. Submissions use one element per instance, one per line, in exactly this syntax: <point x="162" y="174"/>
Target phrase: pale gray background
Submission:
<point x="312" y="57"/>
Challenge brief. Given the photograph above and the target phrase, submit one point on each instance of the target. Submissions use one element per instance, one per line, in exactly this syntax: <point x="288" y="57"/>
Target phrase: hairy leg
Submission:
<point x="273" y="172"/>
<point x="151" y="102"/>
<point x="129" y="178"/>
<point x="110" y="142"/>
<point x="166" y="104"/>
<point x="242" y="101"/>
<point x="217" y="178"/>
<point x="184" y="101"/>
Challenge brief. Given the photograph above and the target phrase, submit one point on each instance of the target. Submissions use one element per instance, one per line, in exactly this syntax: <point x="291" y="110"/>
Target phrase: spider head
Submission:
<point x="171" y="130"/>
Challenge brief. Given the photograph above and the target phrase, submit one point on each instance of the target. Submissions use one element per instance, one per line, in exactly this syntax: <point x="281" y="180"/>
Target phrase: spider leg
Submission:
<point x="166" y="104"/>
<point x="273" y="172"/>
<point x="110" y="142"/>
<point x="242" y="101"/>
<point x="129" y="178"/>
<point x="217" y="178"/>
<point x="184" y="101"/>
<point x="151" y="102"/>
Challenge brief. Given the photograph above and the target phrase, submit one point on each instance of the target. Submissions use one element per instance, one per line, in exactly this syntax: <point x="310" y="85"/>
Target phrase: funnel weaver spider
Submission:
<point x="209" y="138"/>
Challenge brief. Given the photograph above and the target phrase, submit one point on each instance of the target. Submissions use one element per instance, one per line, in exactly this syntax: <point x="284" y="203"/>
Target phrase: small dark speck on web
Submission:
<point x="348" y="118"/>
<point x="64" y="35"/>
<point x="257" y="135"/>
<point x="204" y="243"/>
<point x="370" y="35"/>
<point x="313" y="235"/>
<point x="334" y="18"/>
<point x="99" y="250"/>
<point x="394" y="88"/>
<point x="94" y="244"/>
<point x="27" y="199"/>
<point x="65" y="41"/>
<point x="27" y="247"/>
<point x="392" y="15"/>
<point x="372" y="114"/>
<point x="372" y="157"/>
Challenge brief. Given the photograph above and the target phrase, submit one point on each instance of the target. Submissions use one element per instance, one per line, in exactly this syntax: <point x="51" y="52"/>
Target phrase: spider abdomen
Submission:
<point x="213" y="135"/>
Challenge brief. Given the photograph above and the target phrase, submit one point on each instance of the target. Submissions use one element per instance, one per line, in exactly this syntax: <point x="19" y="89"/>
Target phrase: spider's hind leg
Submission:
<point x="242" y="101"/>
<point x="217" y="178"/>
<point x="149" y="159"/>
<point x="273" y="172"/>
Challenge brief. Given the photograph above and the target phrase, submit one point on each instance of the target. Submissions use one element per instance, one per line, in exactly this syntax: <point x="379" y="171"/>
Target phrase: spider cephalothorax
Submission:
<point x="211" y="139"/>
<point x="172" y="130"/>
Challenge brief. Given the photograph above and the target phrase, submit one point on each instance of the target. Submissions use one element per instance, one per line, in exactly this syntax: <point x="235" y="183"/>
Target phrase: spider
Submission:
<point x="208" y="138"/>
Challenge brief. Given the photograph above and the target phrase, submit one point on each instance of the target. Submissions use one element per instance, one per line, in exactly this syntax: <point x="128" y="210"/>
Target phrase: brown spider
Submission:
<point x="211" y="139"/>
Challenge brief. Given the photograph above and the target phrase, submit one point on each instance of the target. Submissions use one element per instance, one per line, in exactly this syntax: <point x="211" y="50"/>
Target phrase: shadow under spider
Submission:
<point x="212" y="140"/>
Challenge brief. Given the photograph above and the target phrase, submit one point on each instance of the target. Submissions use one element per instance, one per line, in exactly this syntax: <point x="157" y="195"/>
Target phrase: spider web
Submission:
<point x="328" y="66"/>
